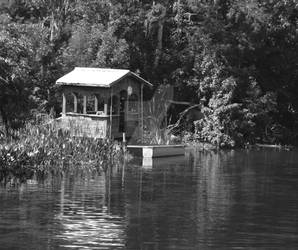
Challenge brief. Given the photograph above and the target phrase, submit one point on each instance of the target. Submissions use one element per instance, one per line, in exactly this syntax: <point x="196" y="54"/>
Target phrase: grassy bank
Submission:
<point x="44" y="149"/>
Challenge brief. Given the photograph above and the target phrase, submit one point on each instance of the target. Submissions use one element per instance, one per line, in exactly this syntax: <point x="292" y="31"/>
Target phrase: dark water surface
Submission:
<point x="225" y="200"/>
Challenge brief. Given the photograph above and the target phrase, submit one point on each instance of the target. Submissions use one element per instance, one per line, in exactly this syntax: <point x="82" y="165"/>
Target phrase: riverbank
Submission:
<point x="44" y="149"/>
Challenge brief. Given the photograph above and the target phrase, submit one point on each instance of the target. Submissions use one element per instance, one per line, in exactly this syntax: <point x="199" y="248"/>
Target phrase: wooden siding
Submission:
<point x="85" y="125"/>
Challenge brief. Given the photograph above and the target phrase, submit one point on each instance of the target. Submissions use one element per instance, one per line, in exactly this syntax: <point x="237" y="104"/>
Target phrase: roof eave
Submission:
<point x="135" y="76"/>
<point x="82" y="85"/>
<point x="129" y="73"/>
<point x="141" y="79"/>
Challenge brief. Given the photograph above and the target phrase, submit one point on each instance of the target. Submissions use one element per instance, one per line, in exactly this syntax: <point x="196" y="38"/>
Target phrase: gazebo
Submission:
<point x="101" y="102"/>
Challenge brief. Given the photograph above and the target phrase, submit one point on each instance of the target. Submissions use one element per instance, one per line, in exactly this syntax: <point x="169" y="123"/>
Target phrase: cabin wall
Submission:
<point x="125" y="112"/>
<point x="85" y="126"/>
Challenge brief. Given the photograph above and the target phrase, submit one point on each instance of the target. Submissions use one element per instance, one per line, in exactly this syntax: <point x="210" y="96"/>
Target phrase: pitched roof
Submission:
<point x="97" y="77"/>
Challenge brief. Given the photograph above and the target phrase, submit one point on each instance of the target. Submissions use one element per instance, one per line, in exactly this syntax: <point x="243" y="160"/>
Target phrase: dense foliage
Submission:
<point x="238" y="58"/>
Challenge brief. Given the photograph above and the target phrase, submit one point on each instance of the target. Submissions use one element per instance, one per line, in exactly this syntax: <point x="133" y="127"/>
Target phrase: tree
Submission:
<point x="223" y="54"/>
<point x="15" y="88"/>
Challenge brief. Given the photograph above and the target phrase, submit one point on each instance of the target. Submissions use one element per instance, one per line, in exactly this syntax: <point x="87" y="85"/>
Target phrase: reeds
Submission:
<point x="156" y="130"/>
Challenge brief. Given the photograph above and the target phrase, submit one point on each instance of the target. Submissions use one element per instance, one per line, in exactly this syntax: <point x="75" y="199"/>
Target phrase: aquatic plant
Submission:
<point x="156" y="130"/>
<point x="44" y="149"/>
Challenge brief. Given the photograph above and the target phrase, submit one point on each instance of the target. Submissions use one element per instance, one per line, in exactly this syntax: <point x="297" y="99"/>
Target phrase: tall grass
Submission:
<point x="46" y="149"/>
<point x="156" y="130"/>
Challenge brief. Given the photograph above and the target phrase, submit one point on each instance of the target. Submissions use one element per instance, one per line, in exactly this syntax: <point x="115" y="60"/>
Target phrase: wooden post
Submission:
<point x="63" y="104"/>
<point x="95" y="103"/>
<point x="111" y="111"/>
<point x="85" y="105"/>
<point x="106" y="109"/>
<point x="75" y="102"/>
<point x="142" y="113"/>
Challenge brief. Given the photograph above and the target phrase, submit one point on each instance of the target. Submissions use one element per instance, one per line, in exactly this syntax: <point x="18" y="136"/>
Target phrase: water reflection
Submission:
<point x="209" y="200"/>
<point x="217" y="200"/>
<point x="149" y="162"/>
<point x="178" y="205"/>
<point x="85" y="216"/>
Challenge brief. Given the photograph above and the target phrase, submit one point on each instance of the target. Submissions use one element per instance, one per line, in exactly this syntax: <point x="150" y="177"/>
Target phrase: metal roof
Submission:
<point x="97" y="77"/>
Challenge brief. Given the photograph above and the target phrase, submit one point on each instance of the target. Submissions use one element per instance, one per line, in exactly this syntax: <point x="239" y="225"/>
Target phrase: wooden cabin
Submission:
<point x="100" y="102"/>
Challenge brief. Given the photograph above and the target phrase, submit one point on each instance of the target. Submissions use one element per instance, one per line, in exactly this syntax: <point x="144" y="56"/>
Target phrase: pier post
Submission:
<point x="142" y="112"/>
<point x="75" y="102"/>
<point x="63" y="104"/>
<point x="96" y="103"/>
<point x="111" y="112"/>
<point x="85" y="105"/>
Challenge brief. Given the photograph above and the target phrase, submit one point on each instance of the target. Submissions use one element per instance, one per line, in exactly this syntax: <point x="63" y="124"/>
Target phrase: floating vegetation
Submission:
<point x="44" y="149"/>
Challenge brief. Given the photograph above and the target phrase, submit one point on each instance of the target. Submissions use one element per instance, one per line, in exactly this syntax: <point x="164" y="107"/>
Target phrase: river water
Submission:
<point x="226" y="200"/>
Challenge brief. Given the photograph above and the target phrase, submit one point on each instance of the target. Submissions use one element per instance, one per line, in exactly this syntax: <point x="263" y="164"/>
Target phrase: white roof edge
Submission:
<point x="99" y="69"/>
<point x="124" y="73"/>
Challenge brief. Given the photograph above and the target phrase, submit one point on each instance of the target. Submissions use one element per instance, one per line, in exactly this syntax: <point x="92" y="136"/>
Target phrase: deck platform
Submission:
<point x="151" y="151"/>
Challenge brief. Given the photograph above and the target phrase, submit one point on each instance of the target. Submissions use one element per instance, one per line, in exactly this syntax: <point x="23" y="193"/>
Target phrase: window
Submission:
<point x="69" y="102"/>
<point x="90" y="104"/>
<point x="100" y="104"/>
<point x="80" y="99"/>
